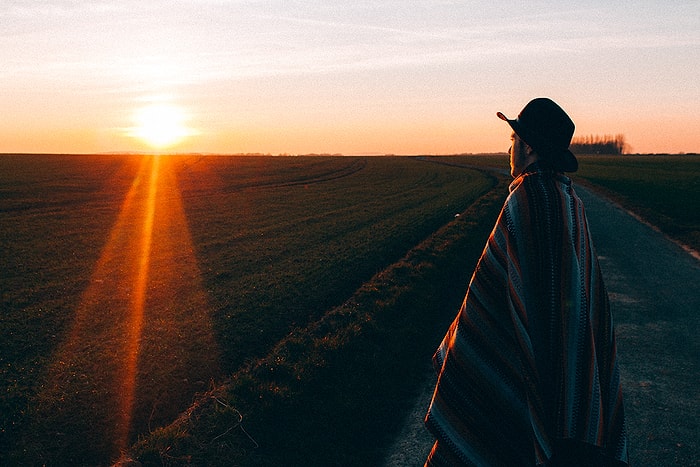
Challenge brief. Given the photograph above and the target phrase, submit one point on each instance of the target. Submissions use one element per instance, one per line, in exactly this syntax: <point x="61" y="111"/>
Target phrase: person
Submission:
<point x="527" y="372"/>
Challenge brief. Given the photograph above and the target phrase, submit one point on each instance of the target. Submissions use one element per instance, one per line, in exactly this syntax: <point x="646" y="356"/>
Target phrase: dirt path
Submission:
<point x="653" y="287"/>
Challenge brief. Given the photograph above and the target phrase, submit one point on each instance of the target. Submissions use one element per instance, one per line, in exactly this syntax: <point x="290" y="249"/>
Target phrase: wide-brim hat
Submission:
<point x="547" y="129"/>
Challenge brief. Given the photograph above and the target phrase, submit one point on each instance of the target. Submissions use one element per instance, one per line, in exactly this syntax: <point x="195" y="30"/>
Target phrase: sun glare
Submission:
<point x="160" y="125"/>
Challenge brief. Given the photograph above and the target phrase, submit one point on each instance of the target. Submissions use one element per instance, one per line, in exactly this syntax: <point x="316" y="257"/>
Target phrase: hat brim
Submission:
<point x="563" y="159"/>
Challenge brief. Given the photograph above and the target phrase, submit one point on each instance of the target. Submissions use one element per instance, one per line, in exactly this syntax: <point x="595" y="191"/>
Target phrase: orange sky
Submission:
<point x="352" y="77"/>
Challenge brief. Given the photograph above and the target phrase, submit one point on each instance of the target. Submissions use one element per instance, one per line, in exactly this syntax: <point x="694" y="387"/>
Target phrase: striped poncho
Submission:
<point x="527" y="370"/>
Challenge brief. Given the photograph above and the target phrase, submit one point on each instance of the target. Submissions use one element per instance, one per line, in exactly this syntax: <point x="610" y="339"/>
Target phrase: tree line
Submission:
<point x="607" y="144"/>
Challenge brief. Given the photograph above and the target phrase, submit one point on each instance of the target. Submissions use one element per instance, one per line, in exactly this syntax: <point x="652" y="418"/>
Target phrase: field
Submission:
<point x="256" y="311"/>
<point x="132" y="283"/>
<point x="662" y="189"/>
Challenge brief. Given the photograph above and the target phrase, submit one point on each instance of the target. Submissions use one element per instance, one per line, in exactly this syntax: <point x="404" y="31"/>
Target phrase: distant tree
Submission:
<point x="607" y="144"/>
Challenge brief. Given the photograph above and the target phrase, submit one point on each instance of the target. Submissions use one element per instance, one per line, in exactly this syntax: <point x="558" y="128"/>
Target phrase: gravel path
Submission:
<point x="653" y="286"/>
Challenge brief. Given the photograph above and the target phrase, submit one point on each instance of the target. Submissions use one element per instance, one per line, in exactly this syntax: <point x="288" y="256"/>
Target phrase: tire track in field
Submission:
<point x="355" y="165"/>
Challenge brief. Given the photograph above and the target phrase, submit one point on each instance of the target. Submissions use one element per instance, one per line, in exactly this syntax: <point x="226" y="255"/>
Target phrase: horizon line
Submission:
<point x="262" y="154"/>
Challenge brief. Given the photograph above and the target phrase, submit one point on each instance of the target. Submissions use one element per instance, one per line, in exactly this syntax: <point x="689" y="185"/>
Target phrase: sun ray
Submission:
<point x="126" y="357"/>
<point x="138" y="301"/>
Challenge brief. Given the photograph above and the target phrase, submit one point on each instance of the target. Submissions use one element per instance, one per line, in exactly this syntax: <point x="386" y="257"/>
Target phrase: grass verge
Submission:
<point x="663" y="190"/>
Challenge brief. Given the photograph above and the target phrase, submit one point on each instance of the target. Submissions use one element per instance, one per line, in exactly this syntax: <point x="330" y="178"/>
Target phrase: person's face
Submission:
<point x="520" y="155"/>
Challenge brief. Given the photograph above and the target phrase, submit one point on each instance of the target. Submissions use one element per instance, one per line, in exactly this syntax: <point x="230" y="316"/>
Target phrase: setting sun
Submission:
<point x="160" y="125"/>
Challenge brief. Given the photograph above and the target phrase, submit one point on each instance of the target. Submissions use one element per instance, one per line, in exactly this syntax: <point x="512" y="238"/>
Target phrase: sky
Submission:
<point x="350" y="77"/>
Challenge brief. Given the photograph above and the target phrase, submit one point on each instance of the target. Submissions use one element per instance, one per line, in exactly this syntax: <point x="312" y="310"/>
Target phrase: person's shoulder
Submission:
<point x="527" y="182"/>
<point x="536" y="185"/>
<point x="543" y="180"/>
<point x="520" y="191"/>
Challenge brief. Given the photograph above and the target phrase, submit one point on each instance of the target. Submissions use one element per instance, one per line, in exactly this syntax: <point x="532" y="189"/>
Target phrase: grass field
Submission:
<point x="256" y="311"/>
<point x="132" y="283"/>
<point x="662" y="189"/>
<point x="332" y="393"/>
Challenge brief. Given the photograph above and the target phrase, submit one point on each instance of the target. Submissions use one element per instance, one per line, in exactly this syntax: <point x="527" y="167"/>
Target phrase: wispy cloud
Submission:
<point x="239" y="53"/>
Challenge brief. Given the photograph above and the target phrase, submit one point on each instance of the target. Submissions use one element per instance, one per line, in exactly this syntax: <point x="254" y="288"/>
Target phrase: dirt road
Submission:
<point x="653" y="286"/>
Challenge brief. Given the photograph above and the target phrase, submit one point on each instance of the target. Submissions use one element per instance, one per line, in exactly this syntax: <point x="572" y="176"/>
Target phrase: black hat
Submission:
<point x="547" y="129"/>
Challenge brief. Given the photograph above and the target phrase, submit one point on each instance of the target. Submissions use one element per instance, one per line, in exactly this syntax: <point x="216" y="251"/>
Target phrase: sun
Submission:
<point x="160" y="125"/>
